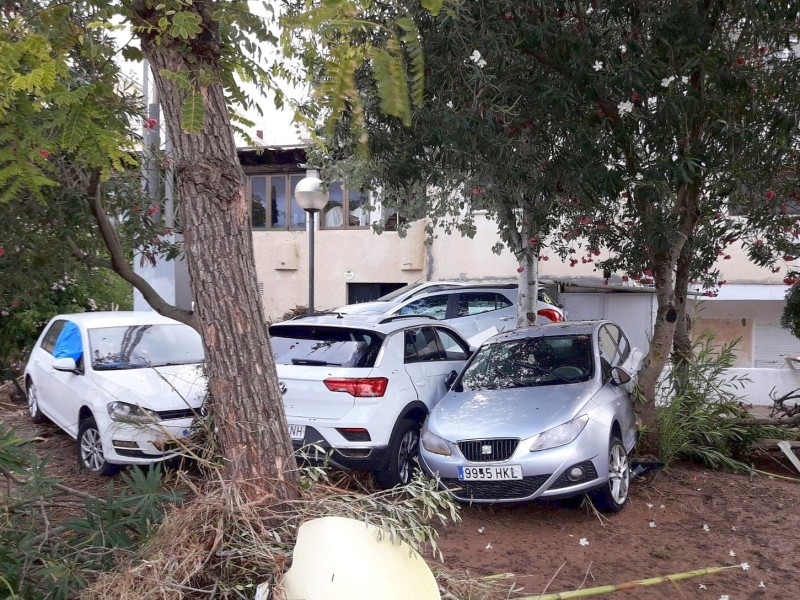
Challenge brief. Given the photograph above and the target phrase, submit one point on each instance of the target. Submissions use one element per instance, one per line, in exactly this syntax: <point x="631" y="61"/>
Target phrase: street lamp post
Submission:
<point x="312" y="199"/>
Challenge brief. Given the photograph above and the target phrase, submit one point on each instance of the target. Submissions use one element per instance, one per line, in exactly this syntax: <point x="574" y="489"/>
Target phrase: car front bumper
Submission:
<point x="134" y="444"/>
<point x="544" y="472"/>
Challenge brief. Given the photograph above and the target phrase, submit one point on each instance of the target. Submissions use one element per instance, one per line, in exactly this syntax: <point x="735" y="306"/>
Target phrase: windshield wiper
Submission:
<point x="542" y="370"/>
<point x="314" y="363"/>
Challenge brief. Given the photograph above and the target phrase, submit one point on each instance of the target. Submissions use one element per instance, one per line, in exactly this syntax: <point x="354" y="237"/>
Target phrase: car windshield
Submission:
<point x="529" y="362"/>
<point x="315" y="345"/>
<point x="142" y="346"/>
<point x="398" y="292"/>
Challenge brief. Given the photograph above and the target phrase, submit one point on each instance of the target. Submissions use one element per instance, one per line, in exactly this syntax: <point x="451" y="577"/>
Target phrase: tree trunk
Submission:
<point x="682" y="342"/>
<point x="660" y="346"/>
<point x="215" y="218"/>
<point x="528" y="269"/>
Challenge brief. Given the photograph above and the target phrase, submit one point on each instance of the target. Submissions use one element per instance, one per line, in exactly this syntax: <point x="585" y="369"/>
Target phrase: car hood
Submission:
<point x="156" y="388"/>
<point x="508" y="413"/>
<point x="366" y="307"/>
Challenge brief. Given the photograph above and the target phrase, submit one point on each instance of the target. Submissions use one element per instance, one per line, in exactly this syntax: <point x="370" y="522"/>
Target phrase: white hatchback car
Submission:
<point x="126" y="385"/>
<point x="360" y="386"/>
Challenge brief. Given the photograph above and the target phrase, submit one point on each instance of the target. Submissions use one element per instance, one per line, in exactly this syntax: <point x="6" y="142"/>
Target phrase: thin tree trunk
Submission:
<point x="682" y="342"/>
<point x="528" y="269"/>
<point x="215" y="218"/>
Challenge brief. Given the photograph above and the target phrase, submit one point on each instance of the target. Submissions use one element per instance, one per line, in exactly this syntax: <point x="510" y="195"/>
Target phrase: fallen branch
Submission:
<point x="628" y="585"/>
<point x="793" y="421"/>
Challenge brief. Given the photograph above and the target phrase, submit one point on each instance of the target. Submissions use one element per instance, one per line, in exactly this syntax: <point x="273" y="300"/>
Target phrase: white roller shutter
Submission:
<point x="771" y="343"/>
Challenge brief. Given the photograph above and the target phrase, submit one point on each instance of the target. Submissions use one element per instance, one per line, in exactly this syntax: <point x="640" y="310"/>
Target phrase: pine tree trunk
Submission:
<point x="215" y="218"/>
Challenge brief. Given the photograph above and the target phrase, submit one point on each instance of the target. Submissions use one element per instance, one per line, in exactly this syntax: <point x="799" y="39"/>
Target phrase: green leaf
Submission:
<point x="433" y="6"/>
<point x="193" y="113"/>
<point x="186" y="25"/>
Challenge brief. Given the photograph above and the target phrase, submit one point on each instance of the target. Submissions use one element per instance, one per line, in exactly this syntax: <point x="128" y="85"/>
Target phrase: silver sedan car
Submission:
<point x="541" y="412"/>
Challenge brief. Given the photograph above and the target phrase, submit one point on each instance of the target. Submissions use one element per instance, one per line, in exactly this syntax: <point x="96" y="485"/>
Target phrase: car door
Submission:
<point x="472" y="313"/>
<point x="63" y="391"/>
<point x="41" y="369"/>
<point x="431" y="353"/>
<point x="615" y="351"/>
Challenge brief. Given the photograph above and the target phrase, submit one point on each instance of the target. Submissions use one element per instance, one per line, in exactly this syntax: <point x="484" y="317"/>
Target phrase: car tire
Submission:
<point x="613" y="495"/>
<point x="403" y="452"/>
<point x="37" y="416"/>
<point x="91" y="456"/>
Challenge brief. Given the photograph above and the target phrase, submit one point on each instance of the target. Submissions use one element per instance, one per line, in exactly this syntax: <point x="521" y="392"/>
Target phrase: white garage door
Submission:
<point x="772" y="342"/>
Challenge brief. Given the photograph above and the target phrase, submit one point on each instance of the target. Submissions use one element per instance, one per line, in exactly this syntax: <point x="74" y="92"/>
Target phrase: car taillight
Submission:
<point x="367" y="387"/>
<point x="550" y="313"/>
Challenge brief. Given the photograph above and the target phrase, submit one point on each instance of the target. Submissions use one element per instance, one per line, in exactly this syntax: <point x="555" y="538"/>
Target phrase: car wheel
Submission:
<point x="90" y="450"/>
<point x="613" y="495"/>
<point x="403" y="452"/>
<point x="33" y="404"/>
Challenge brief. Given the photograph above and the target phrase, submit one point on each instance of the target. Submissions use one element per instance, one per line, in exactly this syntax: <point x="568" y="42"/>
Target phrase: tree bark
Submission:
<point x="682" y="342"/>
<point x="215" y="215"/>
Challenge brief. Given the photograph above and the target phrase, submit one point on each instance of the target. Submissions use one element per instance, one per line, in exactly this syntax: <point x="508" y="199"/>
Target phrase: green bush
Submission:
<point x="790" y="319"/>
<point x="696" y="409"/>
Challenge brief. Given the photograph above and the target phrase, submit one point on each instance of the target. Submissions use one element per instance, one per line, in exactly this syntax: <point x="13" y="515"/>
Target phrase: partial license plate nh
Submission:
<point x="490" y="473"/>
<point x="297" y="432"/>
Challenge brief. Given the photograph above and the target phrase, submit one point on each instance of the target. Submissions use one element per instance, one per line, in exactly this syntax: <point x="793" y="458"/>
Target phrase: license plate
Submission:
<point x="297" y="432"/>
<point x="490" y="473"/>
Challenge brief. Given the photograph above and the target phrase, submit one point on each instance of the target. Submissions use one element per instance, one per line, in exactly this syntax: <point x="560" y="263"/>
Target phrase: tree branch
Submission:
<point x="120" y="266"/>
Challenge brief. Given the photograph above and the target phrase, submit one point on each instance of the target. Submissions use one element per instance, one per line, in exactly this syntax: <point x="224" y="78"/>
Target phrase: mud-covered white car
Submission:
<point x="540" y="412"/>
<point x="125" y="385"/>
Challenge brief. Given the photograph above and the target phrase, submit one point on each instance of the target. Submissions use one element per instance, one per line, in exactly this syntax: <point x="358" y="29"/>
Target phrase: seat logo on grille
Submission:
<point x="486" y="449"/>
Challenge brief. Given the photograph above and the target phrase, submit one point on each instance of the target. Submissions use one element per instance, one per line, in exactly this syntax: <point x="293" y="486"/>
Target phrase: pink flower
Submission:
<point x="533" y="241"/>
<point x="152" y="210"/>
<point x="726" y="257"/>
<point x="770" y="195"/>
<point x="150" y="123"/>
<point x="596" y="252"/>
<point x="2" y="251"/>
<point x="584" y="220"/>
<point x="635" y="96"/>
<point x="44" y="153"/>
<point x="520" y="269"/>
<point x="476" y="191"/>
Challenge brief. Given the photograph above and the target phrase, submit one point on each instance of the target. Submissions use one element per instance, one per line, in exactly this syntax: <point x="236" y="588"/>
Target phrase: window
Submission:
<point x="49" y="339"/>
<point x="273" y="203"/>
<point x="421" y="345"/>
<point x="324" y="346"/>
<point x="346" y="209"/>
<point x="614" y="348"/>
<point x="453" y="348"/>
<point x="433" y="306"/>
<point x="474" y="303"/>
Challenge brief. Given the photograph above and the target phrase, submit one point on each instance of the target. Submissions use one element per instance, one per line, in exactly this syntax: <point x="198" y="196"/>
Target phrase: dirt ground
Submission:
<point x="685" y="519"/>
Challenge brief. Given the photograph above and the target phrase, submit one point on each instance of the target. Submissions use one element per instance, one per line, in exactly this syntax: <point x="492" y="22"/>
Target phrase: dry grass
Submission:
<point x="222" y="545"/>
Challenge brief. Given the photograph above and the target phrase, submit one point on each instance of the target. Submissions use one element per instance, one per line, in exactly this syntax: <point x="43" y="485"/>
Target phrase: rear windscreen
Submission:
<point x="324" y="346"/>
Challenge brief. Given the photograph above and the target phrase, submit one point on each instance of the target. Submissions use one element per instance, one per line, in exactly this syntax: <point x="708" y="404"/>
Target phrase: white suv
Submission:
<point x="473" y="310"/>
<point x="361" y="386"/>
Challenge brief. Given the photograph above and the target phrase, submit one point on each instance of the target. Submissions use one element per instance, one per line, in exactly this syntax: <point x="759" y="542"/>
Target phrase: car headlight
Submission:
<point x="434" y="444"/>
<point x="123" y="411"/>
<point x="561" y="435"/>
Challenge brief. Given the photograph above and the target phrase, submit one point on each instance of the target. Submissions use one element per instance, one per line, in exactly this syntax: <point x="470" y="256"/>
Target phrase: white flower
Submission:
<point x="476" y="58"/>
<point x="705" y="527"/>
<point x="761" y="584"/>
<point x="649" y="505"/>
<point x="745" y="566"/>
<point x="583" y="542"/>
<point x="731" y="553"/>
<point x="703" y="587"/>
<point x="489" y="546"/>
<point x="662" y="507"/>
<point x="589" y="10"/>
<point x="598" y="65"/>
<point x="4" y="313"/>
<point x="639" y="177"/>
<point x="624" y="108"/>
<point x="652" y="524"/>
<point x="684" y="80"/>
<point x="667" y="80"/>
<point x="481" y="529"/>
<point x="449" y="104"/>
<point x="623" y="48"/>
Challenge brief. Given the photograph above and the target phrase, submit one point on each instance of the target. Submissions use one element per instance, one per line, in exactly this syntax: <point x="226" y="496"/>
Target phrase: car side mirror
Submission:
<point x="65" y="364"/>
<point x="620" y="376"/>
<point x="450" y="379"/>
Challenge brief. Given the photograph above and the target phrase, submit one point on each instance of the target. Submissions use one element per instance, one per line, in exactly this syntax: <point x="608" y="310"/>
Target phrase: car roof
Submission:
<point x="552" y="329"/>
<point x="380" y="323"/>
<point x="120" y="318"/>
